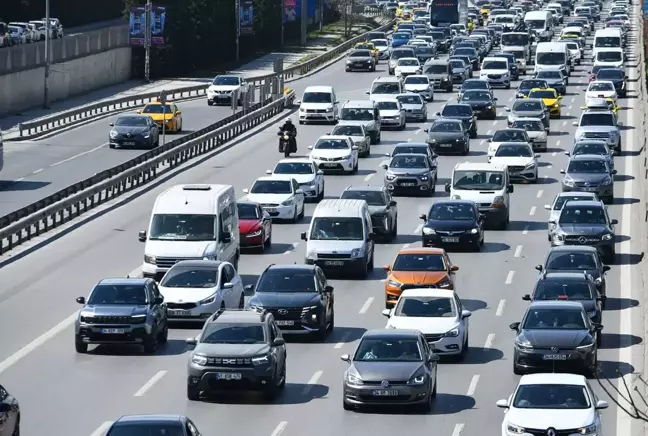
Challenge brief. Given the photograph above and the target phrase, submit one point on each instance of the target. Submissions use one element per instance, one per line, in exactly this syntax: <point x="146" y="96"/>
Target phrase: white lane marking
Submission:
<point x="409" y="139"/>
<point x="280" y="428"/>
<point x="406" y="246"/>
<point x="489" y="340"/>
<point x="38" y="171"/>
<point x="149" y="384"/>
<point x="518" y="251"/>
<point x="525" y="230"/>
<point x="92" y="150"/>
<point x="510" y="99"/>
<point x="569" y="108"/>
<point x="41" y="340"/>
<point x="532" y="211"/>
<point x="494" y="123"/>
<point x="343" y="339"/>
<point x="369" y="176"/>
<point x="102" y="429"/>
<point x="557" y="143"/>
<point x="482" y="142"/>
<point x="500" y="307"/>
<point x="21" y="179"/>
<point x="540" y="192"/>
<point x="313" y="381"/>
<point x="489" y="132"/>
<point x="564" y="123"/>
<point x="365" y="307"/>
<point x="416" y="133"/>
<point x="473" y="385"/>
<point x="294" y="247"/>
<point x="554" y="153"/>
<point x="509" y="278"/>
<point x="549" y="167"/>
<point x="418" y="229"/>
<point x="458" y="429"/>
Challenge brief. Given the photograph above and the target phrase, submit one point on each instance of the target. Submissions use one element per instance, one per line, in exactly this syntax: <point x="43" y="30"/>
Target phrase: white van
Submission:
<point x="553" y="56"/>
<point x="541" y="22"/>
<point x="610" y="58"/>
<point x="340" y="237"/>
<point x="486" y="184"/>
<point x="318" y="103"/>
<point x="607" y="38"/>
<point x="191" y="222"/>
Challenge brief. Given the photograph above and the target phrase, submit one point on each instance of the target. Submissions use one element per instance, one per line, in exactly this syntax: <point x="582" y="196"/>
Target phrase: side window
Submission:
<point x="231" y="272"/>
<point x="191" y="429"/>
<point x="321" y="279"/>
<point x="295" y="185"/>
<point x="224" y="275"/>
<point x="155" y="292"/>
<point x="459" y="303"/>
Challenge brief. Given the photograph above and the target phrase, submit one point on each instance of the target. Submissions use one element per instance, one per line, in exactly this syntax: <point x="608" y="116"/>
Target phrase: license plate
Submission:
<point x="446" y="145"/>
<point x="328" y="165"/>
<point x="129" y="143"/>
<point x="554" y="357"/>
<point x="284" y="323"/>
<point x="450" y="239"/>
<point x="113" y="331"/>
<point x="334" y="263"/>
<point x="176" y="312"/>
<point x="408" y="184"/>
<point x="589" y="189"/>
<point x="385" y="393"/>
<point x="223" y="96"/>
<point x="228" y="376"/>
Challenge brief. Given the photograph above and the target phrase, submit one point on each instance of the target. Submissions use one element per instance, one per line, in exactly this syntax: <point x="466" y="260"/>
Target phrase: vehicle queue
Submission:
<point x="198" y="233"/>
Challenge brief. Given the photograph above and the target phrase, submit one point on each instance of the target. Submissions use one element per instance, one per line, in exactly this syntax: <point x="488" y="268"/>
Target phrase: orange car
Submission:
<point x="418" y="268"/>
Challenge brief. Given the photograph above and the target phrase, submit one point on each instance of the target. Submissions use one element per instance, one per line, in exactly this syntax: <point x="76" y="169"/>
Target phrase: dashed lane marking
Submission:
<point x="149" y="384"/>
<point x="313" y="381"/>
<point x="525" y="230"/>
<point x="500" y="307"/>
<point x="540" y="192"/>
<point x="365" y="307"/>
<point x="418" y="229"/>
<point x="369" y="176"/>
<point x="518" y="251"/>
<point x="38" y="171"/>
<point x="458" y="429"/>
<point x="489" y="340"/>
<point x="509" y="278"/>
<point x="532" y="211"/>
<point x="294" y="247"/>
<point x="280" y="428"/>
<point x="343" y="339"/>
<point x="473" y="385"/>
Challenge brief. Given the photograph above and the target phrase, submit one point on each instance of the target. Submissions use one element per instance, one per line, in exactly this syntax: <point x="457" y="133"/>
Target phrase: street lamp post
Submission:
<point x="48" y="29"/>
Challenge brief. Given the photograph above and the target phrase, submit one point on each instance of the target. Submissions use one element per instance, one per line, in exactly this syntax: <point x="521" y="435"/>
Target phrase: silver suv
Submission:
<point x="559" y="201"/>
<point x="601" y="125"/>
<point x="589" y="173"/>
<point x="410" y="172"/>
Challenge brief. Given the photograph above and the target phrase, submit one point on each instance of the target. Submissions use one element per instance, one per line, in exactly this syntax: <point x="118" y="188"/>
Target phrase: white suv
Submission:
<point x="335" y="153"/>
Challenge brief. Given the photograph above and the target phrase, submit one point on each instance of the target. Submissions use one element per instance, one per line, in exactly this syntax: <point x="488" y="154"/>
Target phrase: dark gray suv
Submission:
<point x="122" y="311"/>
<point x="235" y="350"/>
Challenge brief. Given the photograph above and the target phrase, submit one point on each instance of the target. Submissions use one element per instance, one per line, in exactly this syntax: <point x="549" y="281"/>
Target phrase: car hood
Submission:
<point x="186" y="295"/>
<point x="594" y="178"/>
<point x="416" y="87"/>
<point x="425" y="325"/>
<point x="330" y="153"/>
<point x="536" y="134"/>
<point x="413" y="106"/>
<point x="600" y="94"/>
<point x="550" y="101"/>
<point x="616" y="64"/>
<point x="408" y="68"/>
<point x="379" y="371"/>
<point x="584" y="229"/>
<point x="419" y="277"/>
<point x="389" y="113"/>
<point x="302" y="179"/>
<point x="555" y="337"/>
<point x="596" y="129"/>
<point x="178" y="249"/>
<point x="113" y="309"/>
<point x="232" y="350"/>
<point x="527" y="114"/>
<point x="451" y="225"/>
<point x="478" y="197"/>
<point x="358" y="138"/>
<point x="487" y="72"/>
<point x="160" y="117"/>
<point x="408" y="171"/>
<point x="478" y="103"/>
<point x="266" y="198"/>
<point x="436" y="75"/>
<point x="458" y="70"/>
<point x="133" y="130"/>
<point x="248" y="226"/>
<point x="321" y="106"/>
<point x="382" y="97"/>
<point x="445" y="136"/>
<point x="358" y="123"/>
<point x="341" y="247"/>
<point x="226" y="88"/>
<point x="512" y="161"/>
<point x="284" y="299"/>
<point x="561" y="419"/>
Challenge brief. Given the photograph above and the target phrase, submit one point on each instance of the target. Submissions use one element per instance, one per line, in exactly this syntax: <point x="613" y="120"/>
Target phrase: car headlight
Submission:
<point x="393" y="284"/>
<point x="428" y="231"/>
<point x="417" y="380"/>
<point x="445" y="283"/>
<point x="150" y="259"/>
<point x="424" y="178"/>
<point x="147" y="135"/>
<point x="348" y="156"/>
<point x="353" y="379"/>
<point x="113" y="134"/>
<point x="389" y="176"/>
<point x="587" y="430"/>
<point x="489" y="107"/>
<point x="520" y="95"/>
<point x="357" y="253"/>
<point x="209" y="300"/>
<point x="568" y="182"/>
<point x="607" y="237"/>
<point x="288" y="202"/>
<point x="474" y="231"/>
<point x="586" y="345"/>
<point x="260" y="360"/>
<point x="523" y="345"/>
<point x="311" y="254"/>
<point x="530" y="165"/>
<point x="199" y="359"/>
<point x="255" y="233"/>
<point x="452" y="333"/>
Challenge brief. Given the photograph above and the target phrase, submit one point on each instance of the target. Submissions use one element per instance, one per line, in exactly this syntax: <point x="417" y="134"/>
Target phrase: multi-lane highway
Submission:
<point x="78" y="395"/>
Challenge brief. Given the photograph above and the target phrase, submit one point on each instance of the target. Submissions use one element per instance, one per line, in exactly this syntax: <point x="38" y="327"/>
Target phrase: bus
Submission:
<point x="444" y="12"/>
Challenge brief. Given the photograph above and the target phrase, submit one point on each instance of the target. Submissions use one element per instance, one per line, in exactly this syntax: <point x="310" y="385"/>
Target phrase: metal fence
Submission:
<point x="29" y="56"/>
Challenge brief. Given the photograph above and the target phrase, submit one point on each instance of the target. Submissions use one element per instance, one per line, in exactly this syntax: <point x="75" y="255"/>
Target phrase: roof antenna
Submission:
<point x="186" y="200"/>
<point x="128" y="276"/>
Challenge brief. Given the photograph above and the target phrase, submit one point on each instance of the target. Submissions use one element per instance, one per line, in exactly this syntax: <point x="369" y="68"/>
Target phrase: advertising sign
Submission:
<point x="246" y="17"/>
<point x="137" y="25"/>
<point x="290" y="10"/>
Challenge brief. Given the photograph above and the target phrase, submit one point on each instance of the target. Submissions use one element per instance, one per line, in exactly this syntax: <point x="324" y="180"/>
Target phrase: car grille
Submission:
<point x="494" y="76"/>
<point x="184" y="306"/>
<point x="405" y="181"/>
<point x="484" y="204"/>
<point x="433" y="338"/>
<point x="586" y="184"/>
<point x="418" y="286"/>
<point x="121" y="320"/>
<point x="596" y="135"/>
<point x="269" y="205"/>
<point x="168" y="262"/>
<point x="229" y="361"/>
<point x="538" y="432"/>
<point x="391" y="383"/>
<point x="378" y="400"/>
<point x="330" y="159"/>
<point x="333" y="255"/>
<point x="287" y="313"/>
<point x="515" y="168"/>
<point x="316" y="111"/>
<point x="583" y="240"/>
<point x="449" y="233"/>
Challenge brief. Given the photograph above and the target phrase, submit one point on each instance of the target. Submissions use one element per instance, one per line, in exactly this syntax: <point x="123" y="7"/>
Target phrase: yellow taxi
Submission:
<point x="168" y="114"/>
<point x="368" y="46"/>
<point x="604" y="104"/>
<point x="550" y="98"/>
<point x="485" y="9"/>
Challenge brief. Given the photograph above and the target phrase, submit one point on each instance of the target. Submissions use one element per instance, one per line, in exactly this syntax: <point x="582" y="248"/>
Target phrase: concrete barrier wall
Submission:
<point x="24" y="89"/>
<point x="30" y="56"/>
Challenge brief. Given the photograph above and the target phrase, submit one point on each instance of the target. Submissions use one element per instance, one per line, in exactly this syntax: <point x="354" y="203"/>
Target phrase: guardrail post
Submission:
<point x="235" y="96"/>
<point x="246" y="99"/>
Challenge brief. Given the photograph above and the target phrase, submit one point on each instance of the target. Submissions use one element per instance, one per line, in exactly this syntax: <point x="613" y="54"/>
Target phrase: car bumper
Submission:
<point x="539" y="144"/>
<point x="360" y="67"/>
<point x="247" y="378"/>
<point x="441" y="84"/>
<point x="131" y="142"/>
<point x="502" y="81"/>
<point x="219" y="98"/>
<point x="182" y="312"/>
<point x="316" y="116"/>
<point x="248" y="241"/>
<point x="365" y="395"/>
<point x="445" y="346"/>
<point x="310" y="190"/>
<point x="407" y="184"/>
<point x="448" y="147"/>
<point x="450" y="241"/>
<point x="604" y="248"/>
<point x="311" y="322"/>
<point x="416" y="116"/>
<point x="494" y="214"/>
<point x="128" y="334"/>
<point x="281" y="212"/>
<point x="600" y="191"/>
<point x="342" y="265"/>
<point x="427" y="94"/>
<point x="525" y="175"/>
<point x="342" y="165"/>
<point x="485" y="113"/>
<point x="554" y="111"/>
<point x="535" y="360"/>
<point x="390" y="122"/>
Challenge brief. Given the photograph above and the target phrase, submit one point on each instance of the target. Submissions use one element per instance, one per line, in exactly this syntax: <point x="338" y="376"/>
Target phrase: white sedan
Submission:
<point x="310" y="179"/>
<point x="600" y="89"/>
<point x="520" y="160"/>
<point x="279" y="196"/>
<point x="552" y="401"/>
<point x="407" y="66"/>
<point x="335" y="153"/>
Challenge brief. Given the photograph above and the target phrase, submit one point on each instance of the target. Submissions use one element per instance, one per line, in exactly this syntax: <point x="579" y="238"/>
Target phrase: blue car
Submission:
<point x="400" y="38"/>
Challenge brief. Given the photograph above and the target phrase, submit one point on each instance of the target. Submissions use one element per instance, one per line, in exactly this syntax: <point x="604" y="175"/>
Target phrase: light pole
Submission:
<point x="237" y="14"/>
<point x="147" y="39"/>
<point x="48" y="28"/>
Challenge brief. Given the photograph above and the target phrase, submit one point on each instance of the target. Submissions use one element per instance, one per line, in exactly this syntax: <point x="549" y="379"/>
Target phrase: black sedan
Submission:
<point x="453" y="223"/>
<point x="9" y="414"/>
<point x="556" y="336"/>
<point x="616" y="76"/>
<point x="482" y="103"/>
<point x="134" y="131"/>
<point x="527" y="85"/>
<point x="463" y="113"/>
<point x="448" y="136"/>
<point x="361" y="60"/>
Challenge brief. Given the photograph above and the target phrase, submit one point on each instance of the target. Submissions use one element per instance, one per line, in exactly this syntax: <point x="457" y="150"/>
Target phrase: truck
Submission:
<point x="444" y="13"/>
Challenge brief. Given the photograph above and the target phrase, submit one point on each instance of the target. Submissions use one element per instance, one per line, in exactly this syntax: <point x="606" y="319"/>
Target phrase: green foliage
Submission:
<point x="72" y="13"/>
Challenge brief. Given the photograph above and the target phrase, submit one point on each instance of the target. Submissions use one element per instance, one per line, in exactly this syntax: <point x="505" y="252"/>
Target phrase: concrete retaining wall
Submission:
<point x="24" y="89"/>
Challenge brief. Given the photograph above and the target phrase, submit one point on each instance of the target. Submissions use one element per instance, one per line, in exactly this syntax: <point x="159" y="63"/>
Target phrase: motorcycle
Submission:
<point x="287" y="143"/>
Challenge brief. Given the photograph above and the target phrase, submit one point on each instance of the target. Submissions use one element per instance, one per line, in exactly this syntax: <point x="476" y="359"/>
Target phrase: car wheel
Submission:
<point x="163" y="336"/>
<point x="331" y="324"/>
<point x="81" y="347"/>
<point x="241" y="303"/>
<point x="210" y="103"/>
<point x="303" y="210"/>
<point x="193" y="394"/>
<point x="517" y="370"/>
<point x="16" y="431"/>
<point x="320" y="196"/>
<point x="150" y="343"/>
<point x="379" y="137"/>
<point x="355" y="167"/>
<point x="394" y="232"/>
<point x="427" y="406"/>
<point x="295" y="217"/>
<point x="464" y="349"/>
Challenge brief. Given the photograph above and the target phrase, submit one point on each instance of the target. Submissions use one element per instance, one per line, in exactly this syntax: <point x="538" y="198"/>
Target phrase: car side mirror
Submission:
<point x="367" y="92"/>
<point x="138" y="111"/>
<point x="141" y="236"/>
<point x="547" y="206"/>
<point x="310" y="147"/>
<point x="298" y="102"/>
<point x="228" y="285"/>
<point x="387" y="312"/>
<point x="386" y="267"/>
<point x="393" y="203"/>
<point x="345" y="358"/>
<point x="526" y="297"/>
<point x="111" y="124"/>
<point x="423" y="217"/>
<point x="537" y="156"/>
<point x="299" y="191"/>
<point x="268" y="172"/>
<point x="562" y="171"/>
<point x="454" y="268"/>
<point x="426" y="130"/>
<point x="328" y="289"/>
<point x="598" y="327"/>
<point x="158" y="300"/>
<point x="567" y="153"/>
<point x="370" y="237"/>
<point x="81" y="300"/>
<point x="178" y="112"/>
<point x="278" y="342"/>
<point x="502" y="404"/>
<point x="438" y="114"/>
<point x="248" y="288"/>
<point x="508" y="109"/>
<point x="447" y="187"/>
<point x="226" y="237"/>
<point x="614" y="222"/>
<point x="355" y="147"/>
<point x="433" y="358"/>
<point x="510" y="189"/>
<point x="606" y="268"/>
<point x="495" y="99"/>
<point x="303" y="236"/>
<point x="625" y="77"/>
<point x="384" y="166"/>
<point x="575" y="124"/>
<point x="246" y="191"/>
<point x="600" y="404"/>
<point x="191" y="341"/>
<point x="466" y="314"/>
<point x="613" y="172"/>
<point x="320" y="173"/>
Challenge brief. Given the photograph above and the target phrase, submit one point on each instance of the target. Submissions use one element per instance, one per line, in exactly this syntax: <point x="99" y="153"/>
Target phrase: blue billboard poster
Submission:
<point x="137" y="25"/>
<point x="246" y="17"/>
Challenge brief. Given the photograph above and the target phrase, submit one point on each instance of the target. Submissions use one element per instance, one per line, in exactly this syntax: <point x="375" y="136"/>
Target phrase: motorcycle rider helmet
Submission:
<point x="288" y="121"/>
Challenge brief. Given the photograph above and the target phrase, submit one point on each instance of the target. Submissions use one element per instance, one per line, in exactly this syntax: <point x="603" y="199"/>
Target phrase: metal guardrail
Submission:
<point x="112" y="183"/>
<point x="67" y="118"/>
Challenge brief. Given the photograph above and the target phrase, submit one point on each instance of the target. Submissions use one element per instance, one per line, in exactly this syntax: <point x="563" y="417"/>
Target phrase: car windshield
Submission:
<point x="131" y="295"/>
<point x="408" y="63"/>
<point x="494" y="65"/>
<point x="247" y="211"/>
<point x="437" y="35"/>
<point x="348" y="130"/>
<point x="271" y="187"/>
<point x="426" y="307"/>
<point x="423" y="51"/>
<point x="587" y="166"/>
<point x="504" y="19"/>
<point x="529" y="126"/>
<point x="607" y="41"/>
<point x="454" y="110"/>
<point x="386" y="88"/>
<point x="388" y="350"/>
<point x="535" y="24"/>
<point x="357" y="114"/>
<point x="379" y="42"/>
<point x="550" y="75"/>
<point x="509" y="136"/>
<point x="331" y="144"/>
<point x="597" y="119"/>
<point x="360" y="54"/>
<point x="451" y="212"/>
<point x="157" y="109"/>
<point x="170" y="227"/>
<point x="131" y="121"/>
<point x="609" y="56"/>
<point x="562" y="290"/>
<point x="419" y="262"/>
<point x="478" y="180"/>
<point x="317" y="97"/>
<point x="232" y="333"/>
<point x="226" y="81"/>
<point x="544" y="93"/>
<point x="337" y="229"/>
<point x="373" y="198"/>
<point x="147" y="429"/>
<point x="367" y="47"/>
<point x="408" y="161"/>
<point x="457" y="64"/>
<point x="435" y="69"/>
<point x="582" y="215"/>
<point x="413" y="80"/>
<point x="387" y="105"/>
<point x="596" y="69"/>
<point x="562" y="261"/>
<point x="445" y="126"/>
<point x="190" y="277"/>
<point x="573" y="46"/>
<point x="554" y="319"/>
<point x="280" y="280"/>
<point x="609" y="73"/>
<point x="294" y="168"/>
<point x="410" y="99"/>
<point x="511" y="150"/>
<point x="562" y="199"/>
<point x="397" y="54"/>
<point x="601" y="86"/>
<point x="550" y="58"/>
<point x="476" y="95"/>
<point x="399" y="35"/>
<point x="467" y="51"/>
<point x="551" y="396"/>
<point x="524" y="105"/>
<point x="590" y="148"/>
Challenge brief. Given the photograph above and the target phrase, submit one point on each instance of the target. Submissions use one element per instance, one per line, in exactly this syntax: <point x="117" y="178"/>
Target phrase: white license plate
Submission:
<point x="334" y="263"/>
<point x="450" y="239"/>
<point x="228" y="376"/>
<point x="408" y="184"/>
<point x="285" y="323"/>
<point x="385" y="393"/>
<point x="176" y="312"/>
<point x="113" y="331"/>
<point x="129" y="143"/>
<point x="554" y="357"/>
<point x="446" y="145"/>
<point x="589" y="189"/>
<point x="328" y="165"/>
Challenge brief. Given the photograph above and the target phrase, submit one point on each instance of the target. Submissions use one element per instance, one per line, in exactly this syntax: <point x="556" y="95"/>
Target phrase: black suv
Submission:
<point x="122" y="311"/>
<point x="298" y="296"/>
<point x="383" y="210"/>
<point x="235" y="350"/>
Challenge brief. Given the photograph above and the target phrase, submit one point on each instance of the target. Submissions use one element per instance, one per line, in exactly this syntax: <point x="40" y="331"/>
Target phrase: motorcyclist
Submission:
<point x="288" y="126"/>
<point x="470" y="25"/>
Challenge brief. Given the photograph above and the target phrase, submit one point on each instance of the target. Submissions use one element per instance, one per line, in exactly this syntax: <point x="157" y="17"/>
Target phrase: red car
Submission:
<point x="255" y="226"/>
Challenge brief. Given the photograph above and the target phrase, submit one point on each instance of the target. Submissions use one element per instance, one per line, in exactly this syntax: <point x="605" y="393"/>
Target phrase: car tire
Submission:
<point x="295" y="217"/>
<point x="16" y="431"/>
<point x="355" y="168"/>
<point x="210" y="103"/>
<point x="394" y="232"/>
<point x="241" y="303"/>
<point x="320" y="196"/>
<point x="429" y="402"/>
<point x="331" y="324"/>
<point x="150" y="343"/>
<point x="379" y="137"/>
<point x="303" y="211"/>
<point x="111" y="145"/>
<point x="80" y="346"/>
<point x="163" y="336"/>
<point x="193" y="394"/>
<point x="370" y="267"/>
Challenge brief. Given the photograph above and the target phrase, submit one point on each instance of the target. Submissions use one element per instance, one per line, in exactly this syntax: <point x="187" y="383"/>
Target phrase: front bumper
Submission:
<point x="316" y="115"/>
<point x="360" y="66"/>
<point x="408" y="184"/>
<point x="254" y="239"/>
<point x="482" y="113"/>
<point x="404" y="394"/>
<point x="212" y="379"/>
<point x="119" y="333"/>
<point x="600" y="191"/>
<point x="299" y="320"/>
<point x="220" y="98"/>
<point x="346" y="264"/>
<point x="497" y="80"/>
<point x="521" y="174"/>
<point x="554" y="111"/>
<point x="310" y="190"/>
<point x="190" y="312"/>
<point x="411" y="115"/>
<point x="450" y="239"/>
<point x="604" y="248"/>
<point x="345" y="165"/>
<point x="448" y="146"/>
<point x="390" y="122"/>
<point x="135" y="141"/>
<point x="534" y="360"/>
<point x="426" y="94"/>
<point x="444" y="345"/>
<point x="494" y="215"/>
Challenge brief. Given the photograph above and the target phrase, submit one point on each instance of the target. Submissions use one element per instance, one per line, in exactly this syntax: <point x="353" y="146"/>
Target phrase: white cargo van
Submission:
<point x="553" y="56"/>
<point x="540" y="22"/>
<point x="340" y="237"/>
<point x="606" y="39"/>
<point x="191" y="222"/>
<point x="486" y="184"/>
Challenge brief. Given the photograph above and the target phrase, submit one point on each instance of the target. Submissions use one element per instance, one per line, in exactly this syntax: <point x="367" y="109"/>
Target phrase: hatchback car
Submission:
<point x="589" y="173"/>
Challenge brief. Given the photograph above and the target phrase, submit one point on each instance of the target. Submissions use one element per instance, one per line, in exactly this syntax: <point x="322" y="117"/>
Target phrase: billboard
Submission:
<point x="246" y="17"/>
<point x="292" y="9"/>
<point x="137" y="25"/>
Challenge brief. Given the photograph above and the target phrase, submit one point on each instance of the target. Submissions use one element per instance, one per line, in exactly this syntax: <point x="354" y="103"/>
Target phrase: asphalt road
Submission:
<point x="80" y="394"/>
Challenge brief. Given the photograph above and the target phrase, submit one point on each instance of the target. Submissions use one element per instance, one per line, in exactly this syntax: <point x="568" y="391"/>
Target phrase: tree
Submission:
<point x="635" y="405"/>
